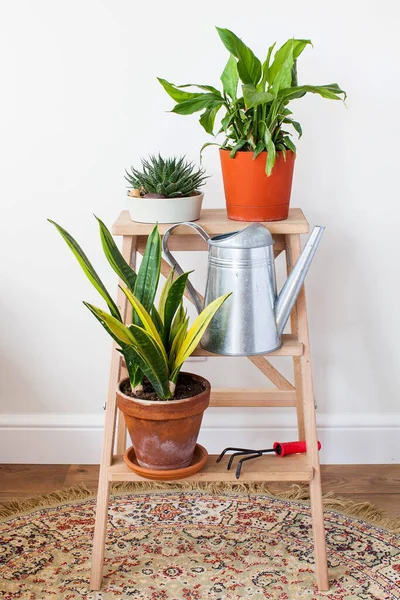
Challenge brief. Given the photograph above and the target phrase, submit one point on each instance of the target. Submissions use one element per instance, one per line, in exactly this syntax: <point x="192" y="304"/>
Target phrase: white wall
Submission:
<point x="80" y="102"/>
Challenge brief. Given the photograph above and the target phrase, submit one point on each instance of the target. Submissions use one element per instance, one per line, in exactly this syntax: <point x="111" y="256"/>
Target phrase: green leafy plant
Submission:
<point x="166" y="178"/>
<point x="159" y="340"/>
<point x="257" y="115"/>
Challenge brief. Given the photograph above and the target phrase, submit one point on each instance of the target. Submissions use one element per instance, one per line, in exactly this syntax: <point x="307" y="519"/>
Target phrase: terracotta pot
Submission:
<point x="250" y="194"/>
<point x="164" y="434"/>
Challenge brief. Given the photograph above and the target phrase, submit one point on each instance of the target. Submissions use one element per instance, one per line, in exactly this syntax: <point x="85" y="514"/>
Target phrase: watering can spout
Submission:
<point x="294" y="282"/>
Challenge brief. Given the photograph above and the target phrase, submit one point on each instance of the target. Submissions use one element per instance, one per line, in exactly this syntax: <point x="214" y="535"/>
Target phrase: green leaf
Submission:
<point x="131" y="361"/>
<point x="155" y="316"/>
<point x="173" y="301"/>
<point x="152" y="361"/>
<point x="147" y="353"/>
<point x="176" y="344"/>
<point x="280" y="72"/>
<point x="149" y="271"/>
<point x="188" y="107"/>
<point x="253" y="97"/>
<point x="197" y="330"/>
<point x="271" y="156"/>
<point x="88" y="269"/>
<point x="207" y="118"/>
<point x="237" y="147"/>
<point x="145" y="319"/>
<point x="289" y="144"/>
<point x="115" y="258"/>
<point x="180" y="317"/>
<point x="265" y="68"/>
<point x="164" y="293"/>
<point x="118" y="329"/>
<point x="175" y="92"/>
<point x="249" y="67"/>
<point x="296" y="126"/>
<point x="205" y="146"/>
<point x="259" y="148"/>
<point x="129" y="354"/>
<point x="208" y="88"/>
<point x="230" y="77"/>
<point x="331" y="91"/>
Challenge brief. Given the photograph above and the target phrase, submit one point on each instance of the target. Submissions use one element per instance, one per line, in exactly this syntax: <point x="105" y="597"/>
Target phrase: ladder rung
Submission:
<point x="252" y="397"/>
<point x="290" y="347"/>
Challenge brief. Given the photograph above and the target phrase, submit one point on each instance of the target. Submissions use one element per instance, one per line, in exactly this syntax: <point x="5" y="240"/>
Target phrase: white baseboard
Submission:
<point x="76" y="439"/>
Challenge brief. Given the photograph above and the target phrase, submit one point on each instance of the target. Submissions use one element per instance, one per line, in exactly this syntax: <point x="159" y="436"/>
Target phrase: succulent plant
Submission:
<point x="166" y="178"/>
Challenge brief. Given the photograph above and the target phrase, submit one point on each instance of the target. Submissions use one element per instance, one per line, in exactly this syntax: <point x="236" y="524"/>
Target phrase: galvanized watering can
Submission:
<point x="252" y="319"/>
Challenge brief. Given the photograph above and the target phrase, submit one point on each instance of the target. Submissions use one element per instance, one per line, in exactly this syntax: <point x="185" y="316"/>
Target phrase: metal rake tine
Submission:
<point x="235" y="449"/>
<point x="241" y="461"/>
<point x="233" y="456"/>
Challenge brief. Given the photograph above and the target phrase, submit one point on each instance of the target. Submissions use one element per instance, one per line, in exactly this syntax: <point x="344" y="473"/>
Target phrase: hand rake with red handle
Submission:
<point x="280" y="449"/>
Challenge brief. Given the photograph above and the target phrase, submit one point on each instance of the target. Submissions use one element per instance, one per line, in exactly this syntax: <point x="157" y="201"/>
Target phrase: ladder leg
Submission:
<point x="304" y="376"/>
<point x="100" y="527"/>
<point x="296" y="359"/>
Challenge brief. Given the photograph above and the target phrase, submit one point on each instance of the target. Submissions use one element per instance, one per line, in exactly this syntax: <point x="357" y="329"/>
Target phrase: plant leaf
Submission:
<point x="331" y="91"/>
<point x="237" y="147"/>
<point x="249" y="67"/>
<point x="271" y="156"/>
<point x="259" y="148"/>
<point x="149" y="271"/>
<point x="230" y="77"/>
<point x="296" y="126"/>
<point x="289" y="144"/>
<point x="188" y="107"/>
<point x="164" y="293"/>
<point x="208" y="88"/>
<point x="175" y="92"/>
<point x="131" y="361"/>
<point x="144" y="317"/>
<point x="152" y="361"/>
<point x="253" y="97"/>
<point x="148" y="354"/>
<point x="197" y="330"/>
<point x="265" y="68"/>
<point x="88" y="269"/>
<point x="115" y="258"/>
<point x="205" y="146"/>
<point x="157" y="321"/>
<point x="173" y="301"/>
<point x="118" y="329"/>
<point x="129" y="354"/>
<point x="280" y="72"/>
<point x="207" y="118"/>
<point x="176" y="344"/>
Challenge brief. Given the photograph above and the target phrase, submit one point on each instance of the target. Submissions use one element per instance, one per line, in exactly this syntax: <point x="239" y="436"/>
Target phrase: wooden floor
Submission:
<point x="378" y="484"/>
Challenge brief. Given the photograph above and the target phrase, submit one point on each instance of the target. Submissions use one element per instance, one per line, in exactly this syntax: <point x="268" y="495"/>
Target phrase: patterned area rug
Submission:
<point x="194" y="545"/>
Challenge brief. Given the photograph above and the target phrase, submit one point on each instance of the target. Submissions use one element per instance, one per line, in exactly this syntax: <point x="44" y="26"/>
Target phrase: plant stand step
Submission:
<point x="266" y="468"/>
<point x="300" y="396"/>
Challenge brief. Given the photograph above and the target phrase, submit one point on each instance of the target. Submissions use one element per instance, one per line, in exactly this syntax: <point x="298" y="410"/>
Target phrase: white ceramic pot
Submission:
<point x="165" y="210"/>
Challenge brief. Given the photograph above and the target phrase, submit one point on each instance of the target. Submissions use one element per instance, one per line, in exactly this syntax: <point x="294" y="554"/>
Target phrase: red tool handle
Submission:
<point x="285" y="448"/>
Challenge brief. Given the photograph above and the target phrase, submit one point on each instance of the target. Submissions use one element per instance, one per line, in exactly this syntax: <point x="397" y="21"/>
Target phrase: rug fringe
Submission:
<point x="364" y="511"/>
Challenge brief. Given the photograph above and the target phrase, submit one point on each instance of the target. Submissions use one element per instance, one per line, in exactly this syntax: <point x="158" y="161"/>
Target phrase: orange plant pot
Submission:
<point x="251" y="195"/>
<point x="164" y="434"/>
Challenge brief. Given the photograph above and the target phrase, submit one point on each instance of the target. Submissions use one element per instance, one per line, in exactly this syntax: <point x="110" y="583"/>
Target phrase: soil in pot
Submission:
<point x="186" y="387"/>
<point x="164" y="432"/>
<point x="251" y="195"/>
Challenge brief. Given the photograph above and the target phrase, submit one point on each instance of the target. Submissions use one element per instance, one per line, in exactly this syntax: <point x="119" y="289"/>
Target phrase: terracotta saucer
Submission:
<point x="199" y="460"/>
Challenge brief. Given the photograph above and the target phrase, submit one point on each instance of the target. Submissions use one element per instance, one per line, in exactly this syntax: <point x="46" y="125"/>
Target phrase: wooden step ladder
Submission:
<point x="296" y="468"/>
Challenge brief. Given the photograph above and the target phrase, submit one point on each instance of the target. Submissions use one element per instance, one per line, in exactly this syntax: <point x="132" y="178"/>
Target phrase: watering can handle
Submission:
<point x="171" y="260"/>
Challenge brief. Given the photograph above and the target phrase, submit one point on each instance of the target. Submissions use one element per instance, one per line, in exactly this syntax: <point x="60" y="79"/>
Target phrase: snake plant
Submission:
<point x="257" y="115"/>
<point x="166" y="177"/>
<point x="159" y="340"/>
